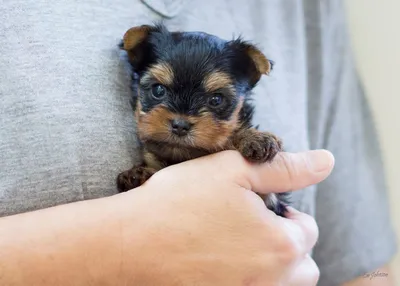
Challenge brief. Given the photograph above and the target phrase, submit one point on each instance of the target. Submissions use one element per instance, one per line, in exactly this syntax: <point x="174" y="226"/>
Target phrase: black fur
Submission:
<point x="192" y="56"/>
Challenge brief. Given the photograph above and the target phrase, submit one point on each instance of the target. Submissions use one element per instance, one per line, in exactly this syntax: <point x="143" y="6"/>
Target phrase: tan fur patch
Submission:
<point x="155" y="124"/>
<point x="207" y="133"/>
<point x="262" y="63"/>
<point x="163" y="73"/>
<point x="217" y="80"/>
<point x="152" y="161"/>
<point x="134" y="36"/>
<point x="212" y="135"/>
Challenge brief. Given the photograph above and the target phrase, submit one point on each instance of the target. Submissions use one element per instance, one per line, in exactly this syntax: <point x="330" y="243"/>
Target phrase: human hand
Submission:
<point x="203" y="224"/>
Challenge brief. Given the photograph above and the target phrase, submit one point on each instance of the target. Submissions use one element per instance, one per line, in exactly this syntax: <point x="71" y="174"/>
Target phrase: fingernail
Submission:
<point x="320" y="160"/>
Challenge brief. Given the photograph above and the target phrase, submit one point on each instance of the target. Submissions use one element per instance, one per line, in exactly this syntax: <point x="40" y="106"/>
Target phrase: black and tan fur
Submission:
<point x="193" y="99"/>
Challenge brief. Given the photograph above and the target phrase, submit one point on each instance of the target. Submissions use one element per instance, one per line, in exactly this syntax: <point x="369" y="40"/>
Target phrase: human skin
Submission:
<point x="195" y="223"/>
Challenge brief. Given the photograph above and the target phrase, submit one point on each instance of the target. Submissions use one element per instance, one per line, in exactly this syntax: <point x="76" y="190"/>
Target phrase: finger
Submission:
<point x="288" y="171"/>
<point x="302" y="228"/>
<point x="305" y="274"/>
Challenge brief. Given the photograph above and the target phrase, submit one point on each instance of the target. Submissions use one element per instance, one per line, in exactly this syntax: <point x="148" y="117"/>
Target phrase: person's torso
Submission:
<point x="67" y="128"/>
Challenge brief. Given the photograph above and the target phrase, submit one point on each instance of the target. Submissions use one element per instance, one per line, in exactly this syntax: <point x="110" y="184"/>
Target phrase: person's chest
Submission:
<point x="69" y="130"/>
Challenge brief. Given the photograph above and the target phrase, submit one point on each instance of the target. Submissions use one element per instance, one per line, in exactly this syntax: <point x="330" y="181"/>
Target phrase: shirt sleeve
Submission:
<point x="352" y="209"/>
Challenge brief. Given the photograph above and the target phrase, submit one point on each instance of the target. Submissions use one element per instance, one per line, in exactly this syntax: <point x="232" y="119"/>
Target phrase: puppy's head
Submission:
<point x="192" y="84"/>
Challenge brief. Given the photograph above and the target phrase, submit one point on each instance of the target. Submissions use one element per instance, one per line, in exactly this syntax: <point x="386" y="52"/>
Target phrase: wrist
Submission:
<point x="114" y="247"/>
<point x="128" y="240"/>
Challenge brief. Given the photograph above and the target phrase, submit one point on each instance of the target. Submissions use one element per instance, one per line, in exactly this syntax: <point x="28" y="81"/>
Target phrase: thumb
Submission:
<point x="288" y="171"/>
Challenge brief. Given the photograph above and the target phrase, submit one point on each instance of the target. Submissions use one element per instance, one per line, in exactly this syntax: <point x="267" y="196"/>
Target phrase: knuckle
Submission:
<point x="290" y="251"/>
<point x="293" y="250"/>
<point x="308" y="227"/>
<point x="253" y="202"/>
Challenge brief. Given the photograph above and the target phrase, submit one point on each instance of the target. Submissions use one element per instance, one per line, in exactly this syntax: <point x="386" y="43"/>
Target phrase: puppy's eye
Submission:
<point x="158" y="91"/>
<point x="215" y="100"/>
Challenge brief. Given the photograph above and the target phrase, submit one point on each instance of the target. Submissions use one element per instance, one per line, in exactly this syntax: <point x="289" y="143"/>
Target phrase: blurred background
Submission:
<point x="375" y="33"/>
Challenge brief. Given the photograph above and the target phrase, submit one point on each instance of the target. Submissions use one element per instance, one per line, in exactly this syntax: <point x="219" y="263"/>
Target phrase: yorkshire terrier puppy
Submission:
<point x="193" y="99"/>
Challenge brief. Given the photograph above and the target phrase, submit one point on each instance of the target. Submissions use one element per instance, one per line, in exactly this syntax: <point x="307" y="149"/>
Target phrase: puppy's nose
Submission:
<point x="180" y="126"/>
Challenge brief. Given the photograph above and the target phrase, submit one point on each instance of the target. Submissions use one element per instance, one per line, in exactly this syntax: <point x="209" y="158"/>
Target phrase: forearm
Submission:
<point x="74" y="244"/>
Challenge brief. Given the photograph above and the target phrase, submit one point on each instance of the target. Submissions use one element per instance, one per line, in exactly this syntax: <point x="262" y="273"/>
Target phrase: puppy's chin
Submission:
<point x="208" y="137"/>
<point x="171" y="140"/>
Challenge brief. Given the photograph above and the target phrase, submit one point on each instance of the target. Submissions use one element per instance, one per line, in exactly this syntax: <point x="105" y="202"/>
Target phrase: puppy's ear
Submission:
<point x="134" y="36"/>
<point x="264" y="65"/>
<point x="135" y="43"/>
<point x="259" y="64"/>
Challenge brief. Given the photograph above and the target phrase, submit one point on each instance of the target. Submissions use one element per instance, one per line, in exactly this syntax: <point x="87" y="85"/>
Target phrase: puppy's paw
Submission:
<point x="133" y="178"/>
<point x="260" y="147"/>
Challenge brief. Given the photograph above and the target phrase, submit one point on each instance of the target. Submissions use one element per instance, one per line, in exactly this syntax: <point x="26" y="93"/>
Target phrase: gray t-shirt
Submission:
<point x="67" y="126"/>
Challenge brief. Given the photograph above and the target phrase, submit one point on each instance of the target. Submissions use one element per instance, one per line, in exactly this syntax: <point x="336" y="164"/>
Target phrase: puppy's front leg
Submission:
<point x="260" y="147"/>
<point x="134" y="177"/>
<point x="256" y="146"/>
<point x="139" y="174"/>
